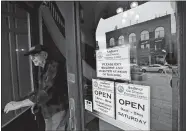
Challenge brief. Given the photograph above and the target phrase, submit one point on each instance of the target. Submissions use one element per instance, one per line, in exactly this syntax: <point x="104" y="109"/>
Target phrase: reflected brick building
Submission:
<point x="148" y="40"/>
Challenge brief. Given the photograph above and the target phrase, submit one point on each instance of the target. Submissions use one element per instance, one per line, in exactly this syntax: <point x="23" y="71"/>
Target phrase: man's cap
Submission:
<point x="34" y="50"/>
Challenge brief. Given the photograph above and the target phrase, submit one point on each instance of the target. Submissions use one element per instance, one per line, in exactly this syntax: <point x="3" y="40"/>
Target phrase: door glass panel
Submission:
<point x="16" y="68"/>
<point x="127" y="87"/>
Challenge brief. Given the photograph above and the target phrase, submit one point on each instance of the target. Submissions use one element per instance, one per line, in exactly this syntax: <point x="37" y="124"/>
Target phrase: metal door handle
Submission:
<point x="72" y="122"/>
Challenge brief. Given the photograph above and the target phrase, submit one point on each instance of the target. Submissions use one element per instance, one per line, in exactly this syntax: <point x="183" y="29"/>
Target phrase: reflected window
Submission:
<point x="121" y="40"/>
<point x="132" y="38"/>
<point x="134" y="45"/>
<point x="159" y="32"/>
<point x="144" y="35"/>
<point x="148" y="46"/>
<point x="112" y="42"/>
<point x="142" y="46"/>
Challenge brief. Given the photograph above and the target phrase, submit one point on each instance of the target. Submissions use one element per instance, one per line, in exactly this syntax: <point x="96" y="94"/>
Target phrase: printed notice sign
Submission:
<point x="103" y="97"/>
<point x="88" y="105"/>
<point x="113" y="63"/>
<point x="133" y="105"/>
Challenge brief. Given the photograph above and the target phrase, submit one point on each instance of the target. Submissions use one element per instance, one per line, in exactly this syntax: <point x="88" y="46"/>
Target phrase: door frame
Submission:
<point x="74" y="74"/>
<point x="181" y="29"/>
<point x="80" y="67"/>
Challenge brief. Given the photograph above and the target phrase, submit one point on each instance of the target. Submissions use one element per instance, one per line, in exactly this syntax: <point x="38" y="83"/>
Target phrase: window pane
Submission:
<point x="132" y="38"/>
<point x="144" y="35"/>
<point x="16" y="68"/>
<point x="112" y="42"/>
<point x="121" y="40"/>
<point x="150" y="50"/>
<point x="147" y="46"/>
<point x="159" y="32"/>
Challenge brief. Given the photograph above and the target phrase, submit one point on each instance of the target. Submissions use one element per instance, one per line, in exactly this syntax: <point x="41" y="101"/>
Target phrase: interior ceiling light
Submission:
<point x="133" y="4"/>
<point x="137" y="17"/>
<point x="131" y="12"/>
<point x="123" y="21"/>
<point x="119" y="10"/>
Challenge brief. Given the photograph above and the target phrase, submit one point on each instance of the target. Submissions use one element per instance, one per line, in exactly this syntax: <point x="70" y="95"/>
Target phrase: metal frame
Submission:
<point x="79" y="62"/>
<point x="30" y="62"/>
<point x="114" y="122"/>
<point x="181" y="10"/>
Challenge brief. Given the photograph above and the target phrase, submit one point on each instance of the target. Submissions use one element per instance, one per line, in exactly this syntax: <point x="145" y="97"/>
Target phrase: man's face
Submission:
<point x="37" y="59"/>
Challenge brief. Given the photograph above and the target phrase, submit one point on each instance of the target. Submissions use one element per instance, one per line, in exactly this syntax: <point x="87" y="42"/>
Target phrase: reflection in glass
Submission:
<point x="121" y="40"/>
<point x="132" y="38"/>
<point x="144" y="35"/>
<point x="112" y="42"/>
<point x="159" y="32"/>
<point x="153" y="33"/>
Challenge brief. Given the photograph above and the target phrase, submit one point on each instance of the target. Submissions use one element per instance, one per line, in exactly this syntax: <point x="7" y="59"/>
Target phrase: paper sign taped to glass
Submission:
<point x="88" y="105"/>
<point x="133" y="105"/>
<point x="114" y="63"/>
<point x="103" y="97"/>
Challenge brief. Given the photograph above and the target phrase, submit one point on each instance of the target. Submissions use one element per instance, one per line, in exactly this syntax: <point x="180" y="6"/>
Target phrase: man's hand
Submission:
<point x="13" y="105"/>
<point x="32" y="109"/>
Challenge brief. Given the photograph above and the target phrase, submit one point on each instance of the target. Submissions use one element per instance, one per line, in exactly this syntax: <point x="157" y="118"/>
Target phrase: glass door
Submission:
<point x="130" y="65"/>
<point x="17" y="79"/>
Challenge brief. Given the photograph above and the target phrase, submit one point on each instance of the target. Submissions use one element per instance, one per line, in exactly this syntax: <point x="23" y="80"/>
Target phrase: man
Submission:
<point x="51" y="96"/>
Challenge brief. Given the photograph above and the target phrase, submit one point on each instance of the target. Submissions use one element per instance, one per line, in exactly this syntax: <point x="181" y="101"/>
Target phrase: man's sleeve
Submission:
<point x="28" y="96"/>
<point x="44" y="94"/>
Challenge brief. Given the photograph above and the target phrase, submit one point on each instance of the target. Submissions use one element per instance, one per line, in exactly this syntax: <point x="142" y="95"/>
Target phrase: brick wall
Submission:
<point x="151" y="25"/>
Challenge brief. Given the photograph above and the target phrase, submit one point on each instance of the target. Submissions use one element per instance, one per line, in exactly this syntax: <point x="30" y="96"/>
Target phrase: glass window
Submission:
<point x="132" y="38"/>
<point x="112" y="42"/>
<point x="121" y="40"/>
<point x="143" y="25"/>
<point x="17" y="79"/>
<point x="144" y="35"/>
<point x="148" y="46"/>
<point x="159" y="32"/>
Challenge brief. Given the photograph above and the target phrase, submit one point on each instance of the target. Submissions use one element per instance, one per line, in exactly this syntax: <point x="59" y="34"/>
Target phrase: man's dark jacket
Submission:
<point x="52" y="94"/>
